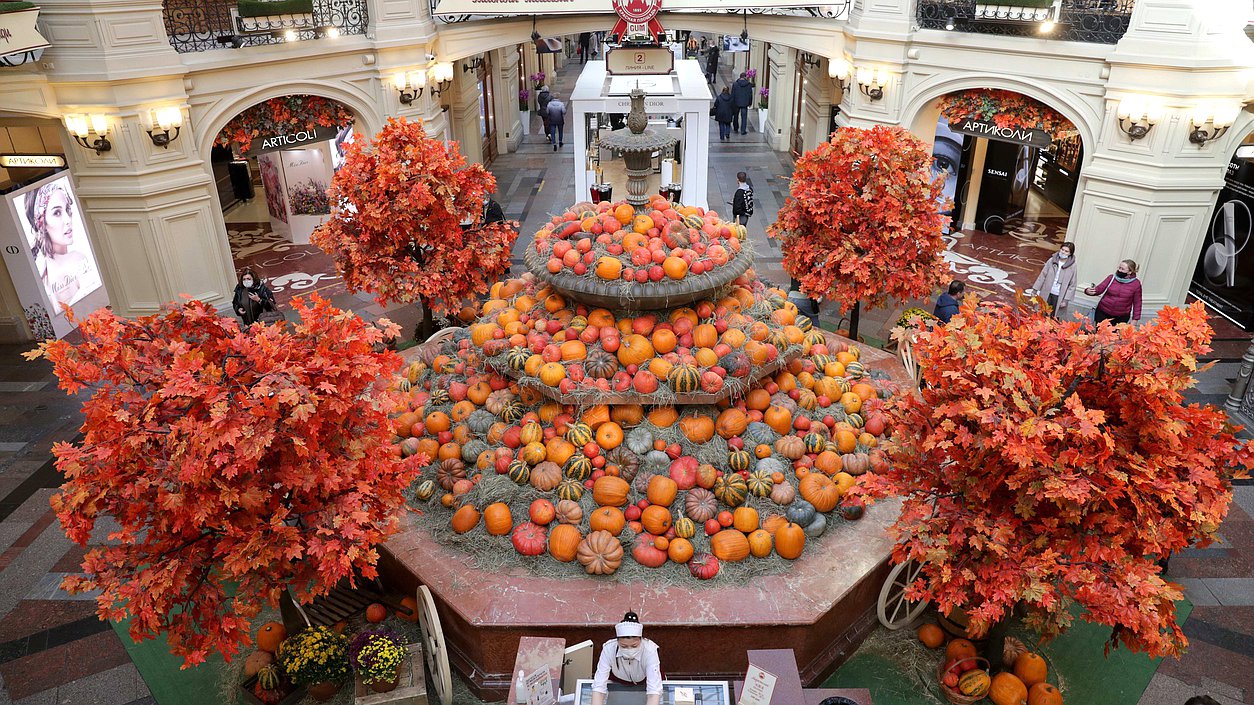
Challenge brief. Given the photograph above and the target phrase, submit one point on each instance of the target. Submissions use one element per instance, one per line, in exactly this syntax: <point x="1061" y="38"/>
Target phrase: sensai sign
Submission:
<point x="1019" y="135"/>
<point x="273" y="143"/>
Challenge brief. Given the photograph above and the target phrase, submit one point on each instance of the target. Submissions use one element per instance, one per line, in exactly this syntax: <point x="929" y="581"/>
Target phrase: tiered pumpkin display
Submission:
<point x="687" y="439"/>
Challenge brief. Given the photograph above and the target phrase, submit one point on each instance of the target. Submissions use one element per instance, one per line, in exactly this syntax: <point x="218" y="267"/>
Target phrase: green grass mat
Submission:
<point x="901" y="671"/>
<point x="161" y="672"/>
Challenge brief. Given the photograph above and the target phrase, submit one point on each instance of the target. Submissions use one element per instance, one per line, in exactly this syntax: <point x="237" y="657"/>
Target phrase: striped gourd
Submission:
<point x="815" y="337"/>
<point x="685" y="528"/>
<point x="760" y="484"/>
<point x="577" y="324"/>
<point x="439" y="397"/>
<point x="779" y="340"/>
<point x="519" y="471"/>
<point x="855" y="369"/>
<point x="804" y="323"/>
<point x="578" y="467"/>
<point x="570" y="489"/>
<point x="579" y="434"/>
<point x="855" y="420"/>
<point x="426" y="490"/>
<point x="820" y="361"/>
<point x="730" y="489"/>
<point x="739" y="460"/>
<point x="516" y="358"/>
<point x="843" y="385"/>
<point x="684" y="379"/>
<point x="814" y="443"/>
<point x="513" y="411"/>
<point x="693" y="221"/>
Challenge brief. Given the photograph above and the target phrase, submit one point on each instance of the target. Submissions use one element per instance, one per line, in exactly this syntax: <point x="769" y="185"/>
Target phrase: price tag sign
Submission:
<point x="540" y="688"/>
<point x="759" y="685"/>
<point x="639" y="61"/>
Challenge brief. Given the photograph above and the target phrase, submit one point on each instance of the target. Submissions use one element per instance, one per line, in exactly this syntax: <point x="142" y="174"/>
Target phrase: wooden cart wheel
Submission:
<point x="893" y="609"/>
<point x="433" y="647"/>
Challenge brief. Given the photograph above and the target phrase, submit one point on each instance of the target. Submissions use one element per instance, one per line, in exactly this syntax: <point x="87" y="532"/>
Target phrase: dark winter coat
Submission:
<point x="556" y="112"/>
<point x="711" y="61"/>
<point x="724" y="108"/>
<point x="742" y="92"/>
<point x="946" y="307"/>
<point x="742" y="201"/>
<point x="1120" y="299"/>
<point x="252" y="309"/>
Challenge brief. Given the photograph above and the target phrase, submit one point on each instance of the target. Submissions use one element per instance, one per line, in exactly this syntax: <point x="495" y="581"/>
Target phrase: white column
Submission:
<point x="696" y="157"/>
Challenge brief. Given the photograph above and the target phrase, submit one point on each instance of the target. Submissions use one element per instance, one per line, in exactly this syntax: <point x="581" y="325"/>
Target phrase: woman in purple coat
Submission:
<point x="1120" y="295"/>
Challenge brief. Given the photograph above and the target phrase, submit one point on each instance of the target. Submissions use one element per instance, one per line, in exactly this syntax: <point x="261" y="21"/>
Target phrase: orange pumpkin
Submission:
<point x="610" y="491"/>
<point x="1044" y="694"/>
<point x="680" y="550"/>
<point x="609" y="268"/>
<point x="465" y="519"/>
<point x="596" y="416"/>
<point x="676" y="268"/>
<point x="573" y="350"/>
<point x="1030" y="668"/>
<point x="706" y="336"/>
<point x="819" y="490"/>
<point x="779" y="419"/>
<point x="1007" y="689"/>
<point x="790" y="541"/>
<point x="551" y="373"/>
<point x="758" y="400"/>
<point x="376" y="613"/>
<point x="437" y="422"/>
<point x="655" y="520"/>
<point x="698" y="429"/>
<point x="270" y="635"/>
<point x="663" y="416"/>
<point x="662" y="490"/>
<point x="729" y="545"/>
<point x="564" y="542"/>
<point x="609" y="435"/>
<point x="497" y="519"/>
<point x="959" y="649"/>
<point x="634" y="349"/>
<point x="773" y="523"/>
<point x="627" y="415"/>
<point x="931" y="635"/>
<point x="745" y="519"/>
<point x="731" y="422"/>
<point x="760" y="543"/>
<point x="609" y="519"/>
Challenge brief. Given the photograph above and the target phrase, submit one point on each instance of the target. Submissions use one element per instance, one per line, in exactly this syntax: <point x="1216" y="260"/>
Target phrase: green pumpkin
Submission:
<point x="513" y="411"/>
<point x="815" y="443"/>
<point x="760" y="484"/>
<point x="804" y="323"/>
<point x="425" y="491"/>
<point x="570" y="489"/>
<point x="578" y="467"/>
<point x="684" y="379"/>
<point x="820" y="361"/>
<point x="731" y="489"/>
<point x="693" y="221"/>
<point x="814" y="337"/>
<point x="579" y="434"/>
<point x="519" y="471"/>
<point x="855" y="420"/>
<point x="268" y="678"/>
<point x="685" y="528"/>
<point x="739" y="460"/>
<point x="855" y="370"/>
<point x="517" y="358"/>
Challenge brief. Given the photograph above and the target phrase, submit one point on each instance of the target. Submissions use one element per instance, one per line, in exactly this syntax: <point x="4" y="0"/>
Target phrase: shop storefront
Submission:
<point x="1224" y="277"/>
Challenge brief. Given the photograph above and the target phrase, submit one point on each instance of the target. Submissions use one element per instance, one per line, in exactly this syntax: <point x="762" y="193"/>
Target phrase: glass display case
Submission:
<point x="703" y="693"/>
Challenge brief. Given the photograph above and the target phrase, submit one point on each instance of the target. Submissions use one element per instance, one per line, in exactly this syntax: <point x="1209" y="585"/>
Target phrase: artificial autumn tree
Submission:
<point x="1047" y="466"/>
<point x="408" y="223"/>
<point x="235" y="463"/>
<point x="861" y="223"/>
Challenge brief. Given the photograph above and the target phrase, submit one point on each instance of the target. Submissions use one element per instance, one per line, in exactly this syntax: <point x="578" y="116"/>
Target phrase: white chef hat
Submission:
<point x="630" y="626"/>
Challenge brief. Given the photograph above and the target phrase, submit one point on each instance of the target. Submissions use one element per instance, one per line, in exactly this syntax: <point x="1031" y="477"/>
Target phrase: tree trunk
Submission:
<point x="853" y="321"/>
<point x="426" y="327"/>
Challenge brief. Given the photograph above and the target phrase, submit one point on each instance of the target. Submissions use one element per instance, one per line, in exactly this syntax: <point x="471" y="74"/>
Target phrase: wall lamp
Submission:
<point x="872" y="82"/>
<point x="81" y="127"/>
<point x="1137" y="117"/>
<point x="810" y="60"/>
<point x="472" y="65"/>
<point x="839" y="70"/>
<point x="409" y="85"/>
<point x="159" y="121"/>
<point x="442" y="76"/>
<point x="1210" y="122"/>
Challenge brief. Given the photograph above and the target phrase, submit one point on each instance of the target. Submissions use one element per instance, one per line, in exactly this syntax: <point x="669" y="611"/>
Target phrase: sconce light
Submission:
<point x="951" y="21"/>
<point x="1137" y="118"/>
<point x="872" y="82"/>
<point x="410" y="85"/>
<point x="839" y="70"/>
<point x="810" y="60"/>
<point x="442" y="75"/>
<point x="1047" y="26"/>
<point x="744" y="33"/>
<point x="472" y="65"/>
<point x="1210" y="122"/>
<point x="159" y="121"/>
<point x="82" y="126"/>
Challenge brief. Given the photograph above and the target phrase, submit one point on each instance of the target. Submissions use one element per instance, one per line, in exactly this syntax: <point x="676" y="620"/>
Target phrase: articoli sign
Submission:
<point x="1018" y="135"/>
<point x="271" y="143"/>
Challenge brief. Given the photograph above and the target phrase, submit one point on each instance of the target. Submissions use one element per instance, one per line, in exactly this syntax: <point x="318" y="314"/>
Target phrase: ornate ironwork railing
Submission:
<point x="1093" y="21"/>
<point x="205" y="25"/>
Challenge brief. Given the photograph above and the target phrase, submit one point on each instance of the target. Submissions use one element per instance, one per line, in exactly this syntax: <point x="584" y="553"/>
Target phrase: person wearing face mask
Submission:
<point x="628" y="662"/>
<point x="1120" y="295"/>
<point x="1056" y="282"/>
<point x="252" y="297"/>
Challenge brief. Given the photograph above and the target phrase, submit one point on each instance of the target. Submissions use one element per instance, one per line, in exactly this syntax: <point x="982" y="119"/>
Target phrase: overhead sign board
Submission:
<point x="585" y="7"/>
<point x="291" y="140"/>
<point x="32" y="161"/>
<point x="642" y="61"/>
<point x="18" y="33"/>
<point x="1018" y="135"/>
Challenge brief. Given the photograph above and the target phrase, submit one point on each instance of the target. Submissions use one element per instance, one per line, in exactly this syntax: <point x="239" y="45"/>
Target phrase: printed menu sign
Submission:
<point x="759" y="685"/>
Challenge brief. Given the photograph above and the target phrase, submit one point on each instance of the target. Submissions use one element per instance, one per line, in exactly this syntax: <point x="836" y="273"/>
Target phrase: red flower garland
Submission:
<point x="286" y="114"/>
<point x="1006" y="109"/>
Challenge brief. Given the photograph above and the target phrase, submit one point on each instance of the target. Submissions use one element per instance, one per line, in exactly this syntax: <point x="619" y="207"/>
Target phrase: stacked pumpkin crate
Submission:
<point x="640" y="393"/>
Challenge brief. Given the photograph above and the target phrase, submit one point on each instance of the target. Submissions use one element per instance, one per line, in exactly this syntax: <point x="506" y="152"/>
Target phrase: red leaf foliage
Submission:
<point x="397" y="228"/>
<point x="1050" y="466"/>
<point x="235" y="464"/>
<point x="861" y="222"/>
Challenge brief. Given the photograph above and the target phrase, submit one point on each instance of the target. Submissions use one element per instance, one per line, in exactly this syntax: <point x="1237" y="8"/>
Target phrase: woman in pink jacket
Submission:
<point x="1120" y="295"/>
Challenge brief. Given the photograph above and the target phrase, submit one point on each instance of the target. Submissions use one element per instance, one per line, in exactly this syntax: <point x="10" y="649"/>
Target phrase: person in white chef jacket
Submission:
<point x="630" y="661"/>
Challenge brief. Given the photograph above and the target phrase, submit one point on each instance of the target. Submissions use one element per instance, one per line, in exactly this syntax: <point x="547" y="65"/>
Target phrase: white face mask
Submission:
<point x="632" y="653"/>
<point x="1063" y="255"/>
<point x="247" y="281"/>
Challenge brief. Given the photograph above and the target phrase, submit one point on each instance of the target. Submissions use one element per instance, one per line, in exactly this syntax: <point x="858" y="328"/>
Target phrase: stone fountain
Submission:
<point x="637" y="143"/>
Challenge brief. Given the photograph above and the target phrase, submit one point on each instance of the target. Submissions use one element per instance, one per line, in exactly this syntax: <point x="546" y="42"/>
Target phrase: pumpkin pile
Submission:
<point x="632" y="472"/>
<point x="965" y="678"/>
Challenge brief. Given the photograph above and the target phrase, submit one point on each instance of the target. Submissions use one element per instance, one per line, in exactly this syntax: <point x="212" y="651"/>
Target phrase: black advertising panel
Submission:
<point x="1224" y="277"/>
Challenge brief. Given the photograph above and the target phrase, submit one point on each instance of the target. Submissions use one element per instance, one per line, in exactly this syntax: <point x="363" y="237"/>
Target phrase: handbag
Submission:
<point x="271" y="315"/>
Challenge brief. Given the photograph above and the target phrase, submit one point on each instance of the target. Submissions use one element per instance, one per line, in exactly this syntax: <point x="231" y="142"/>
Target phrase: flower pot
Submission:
<point x="525" y="117"/>
<point x="762" y="120"/>
<point x="388" y="686"/>
<point x="323" y="691"/>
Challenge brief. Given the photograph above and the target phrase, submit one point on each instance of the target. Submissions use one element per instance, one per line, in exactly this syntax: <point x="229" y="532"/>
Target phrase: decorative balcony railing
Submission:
<point x="205" y="25"/>
<point x="1093" y="21"/>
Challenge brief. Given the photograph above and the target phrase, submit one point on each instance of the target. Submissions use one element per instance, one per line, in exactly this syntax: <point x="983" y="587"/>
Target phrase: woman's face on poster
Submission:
<point x="59" y="219"/>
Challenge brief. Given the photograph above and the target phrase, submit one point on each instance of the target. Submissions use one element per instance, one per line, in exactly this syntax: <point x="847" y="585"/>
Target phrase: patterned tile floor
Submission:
<point x="54" y="650"/>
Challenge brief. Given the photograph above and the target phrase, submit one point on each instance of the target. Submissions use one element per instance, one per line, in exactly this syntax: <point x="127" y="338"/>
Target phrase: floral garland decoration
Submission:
<point x="1006" y="109"/>
<point x="281" y="115"/>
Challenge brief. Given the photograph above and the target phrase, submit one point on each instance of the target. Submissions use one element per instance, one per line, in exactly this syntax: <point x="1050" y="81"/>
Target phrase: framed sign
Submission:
<point x="1018" y="135"/>
<point x="639" y="61"/>
<point x="32" y="161"/>
<point x="273" y="143"/>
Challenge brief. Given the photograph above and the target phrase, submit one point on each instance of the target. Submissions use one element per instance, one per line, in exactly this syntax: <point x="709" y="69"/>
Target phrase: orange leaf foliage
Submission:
<point x="862" y="221"/>
<point x="234" y="463"/>
<point x="1049" y="465"/>
<point x="400" y="202"/>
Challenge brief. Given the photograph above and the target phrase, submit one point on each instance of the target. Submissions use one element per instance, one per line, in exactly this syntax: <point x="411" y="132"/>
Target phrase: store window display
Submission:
<point x="62" y="256"/>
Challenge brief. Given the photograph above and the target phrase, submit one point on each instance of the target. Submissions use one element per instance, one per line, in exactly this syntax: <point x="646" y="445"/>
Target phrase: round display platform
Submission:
<point x="821" y="608"/>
